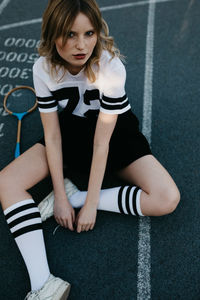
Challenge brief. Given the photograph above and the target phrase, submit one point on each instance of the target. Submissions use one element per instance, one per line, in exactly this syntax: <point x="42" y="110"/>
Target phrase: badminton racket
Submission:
<point x="19" y="112"/>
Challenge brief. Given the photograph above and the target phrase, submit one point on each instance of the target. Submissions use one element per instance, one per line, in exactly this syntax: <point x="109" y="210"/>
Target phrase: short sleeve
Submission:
<point x="114" y="98"/>
<point x="45" y="99"/>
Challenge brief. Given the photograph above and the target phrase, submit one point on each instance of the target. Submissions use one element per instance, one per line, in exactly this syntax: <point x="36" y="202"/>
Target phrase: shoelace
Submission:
<point x="37" y="293"/>
<point x="54" y="232"/>
<point x="31" y="294"/>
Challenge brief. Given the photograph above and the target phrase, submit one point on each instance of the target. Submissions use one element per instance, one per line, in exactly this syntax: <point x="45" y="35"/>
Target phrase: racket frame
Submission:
<point x="18" y="115"/>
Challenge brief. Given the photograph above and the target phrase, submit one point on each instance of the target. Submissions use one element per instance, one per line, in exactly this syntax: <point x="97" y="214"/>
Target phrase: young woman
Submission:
<point x="80" y="71"/>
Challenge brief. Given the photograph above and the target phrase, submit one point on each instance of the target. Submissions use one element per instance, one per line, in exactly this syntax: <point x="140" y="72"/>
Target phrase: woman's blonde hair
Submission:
<point x="58" y="19"/>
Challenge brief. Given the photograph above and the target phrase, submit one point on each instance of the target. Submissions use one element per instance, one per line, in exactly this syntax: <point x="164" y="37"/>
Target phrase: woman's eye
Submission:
<point x="70" y="34"/>
<point x="89" y="33"/>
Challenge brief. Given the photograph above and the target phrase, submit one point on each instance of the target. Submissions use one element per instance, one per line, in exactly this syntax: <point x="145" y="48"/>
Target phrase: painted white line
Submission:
<point x="144" y="260"/>
<point x="18" y="24"/>
<point x="106" y="8"/>
<point x="132" y="4"/>
<point x="3" y="5"/>
<point x="144" y="242"/>
<point x="148" y="85"/>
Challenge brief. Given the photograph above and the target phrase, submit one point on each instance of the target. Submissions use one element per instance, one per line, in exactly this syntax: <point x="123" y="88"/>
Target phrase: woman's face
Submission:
<point x="80" y="44"/>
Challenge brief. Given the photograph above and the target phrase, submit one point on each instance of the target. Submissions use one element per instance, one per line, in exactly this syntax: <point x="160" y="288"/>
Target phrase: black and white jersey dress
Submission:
<point x="80" y="101"/>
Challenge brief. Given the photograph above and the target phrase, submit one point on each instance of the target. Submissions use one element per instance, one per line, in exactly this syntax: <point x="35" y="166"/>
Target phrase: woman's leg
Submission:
<point x="160" y="194"/>
<point x="150" y="191"/>
<point x="121" y="199"/>
<point x="22" y="174"/>
<point x="21" y="212"/>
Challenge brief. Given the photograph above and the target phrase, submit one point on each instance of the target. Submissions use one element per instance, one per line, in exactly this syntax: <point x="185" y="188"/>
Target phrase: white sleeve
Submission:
<point x="45" y="99"/>
<point x="114" y="99"/>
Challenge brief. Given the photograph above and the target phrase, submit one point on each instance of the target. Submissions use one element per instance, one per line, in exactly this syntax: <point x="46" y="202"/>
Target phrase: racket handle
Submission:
<point x="17" y="150"/>
<point x="19" y="130"/>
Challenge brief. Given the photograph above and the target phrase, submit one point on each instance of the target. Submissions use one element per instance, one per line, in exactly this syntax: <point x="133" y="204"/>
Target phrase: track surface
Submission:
<point x="124" y="257"/>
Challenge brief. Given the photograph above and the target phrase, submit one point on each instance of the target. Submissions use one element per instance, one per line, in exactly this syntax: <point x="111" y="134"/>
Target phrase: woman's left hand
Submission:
<point x="86" y="218"/>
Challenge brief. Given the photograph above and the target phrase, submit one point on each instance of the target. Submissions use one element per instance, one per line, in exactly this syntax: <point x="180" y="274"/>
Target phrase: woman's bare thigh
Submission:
<point x="147" y="173"/>
<point x="23" y="173"/>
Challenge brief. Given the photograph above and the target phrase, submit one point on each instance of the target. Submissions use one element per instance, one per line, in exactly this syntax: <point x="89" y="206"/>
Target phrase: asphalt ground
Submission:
<point x="123" y="257"/>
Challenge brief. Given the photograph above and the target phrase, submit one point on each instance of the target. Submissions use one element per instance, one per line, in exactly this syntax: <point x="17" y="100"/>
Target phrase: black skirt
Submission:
<point x="127" y="143"/>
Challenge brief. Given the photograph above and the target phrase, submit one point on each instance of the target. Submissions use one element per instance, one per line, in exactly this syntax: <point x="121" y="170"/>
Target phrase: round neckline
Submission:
<point x="76" y="75"/>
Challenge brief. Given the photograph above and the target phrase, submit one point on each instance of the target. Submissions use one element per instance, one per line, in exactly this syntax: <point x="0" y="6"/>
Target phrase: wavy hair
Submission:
<point x="58" y="18"/>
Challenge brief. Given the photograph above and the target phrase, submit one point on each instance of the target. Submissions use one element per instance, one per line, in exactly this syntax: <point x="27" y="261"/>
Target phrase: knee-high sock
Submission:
<point x="125" y="199"/>
<point x="24" y="221"/>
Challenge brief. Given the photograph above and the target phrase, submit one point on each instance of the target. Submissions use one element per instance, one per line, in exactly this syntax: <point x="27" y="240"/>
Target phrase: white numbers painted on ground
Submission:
<point x="3" y="113"/>
<point x="21" y="42"/>
<point x="1" y="128"/>
<point x="4" y="89"/>
<point x="16" y="59"/>
<point x="13" y="73"/>
<point x="22" y="57"/>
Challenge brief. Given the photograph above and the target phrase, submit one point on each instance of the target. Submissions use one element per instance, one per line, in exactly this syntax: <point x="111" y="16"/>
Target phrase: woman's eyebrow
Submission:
<point x="90" y="29"/>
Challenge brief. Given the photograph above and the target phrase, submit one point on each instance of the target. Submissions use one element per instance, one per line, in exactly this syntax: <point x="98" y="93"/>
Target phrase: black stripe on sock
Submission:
<point x="24" y="218"/>
<point x="19" y="209"/>
<point x="27" y="229"/>
<point x="120" y="199"/>
<point x="134" y="201"/>
<point x="127" y="200"/>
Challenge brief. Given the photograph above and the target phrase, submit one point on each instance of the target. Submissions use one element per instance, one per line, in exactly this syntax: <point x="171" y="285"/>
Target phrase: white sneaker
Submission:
<point x="47" y="204"/>
<point x="54" y="289"/>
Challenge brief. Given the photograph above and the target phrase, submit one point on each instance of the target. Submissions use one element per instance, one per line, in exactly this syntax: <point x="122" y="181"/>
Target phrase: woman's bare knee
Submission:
<point x="173" y="199"/>
<point x="167" y="200"/>
<point x="160" y="194"/>
<point x="10" y="192"/>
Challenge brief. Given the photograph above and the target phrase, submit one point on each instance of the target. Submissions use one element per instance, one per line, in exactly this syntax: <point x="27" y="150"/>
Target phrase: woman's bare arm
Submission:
<point x="104" y="129"/>
<point x="63" y="211"/>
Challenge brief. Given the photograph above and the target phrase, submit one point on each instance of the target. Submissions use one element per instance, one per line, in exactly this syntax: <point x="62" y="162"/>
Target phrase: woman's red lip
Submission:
<point x="80" y="56"/>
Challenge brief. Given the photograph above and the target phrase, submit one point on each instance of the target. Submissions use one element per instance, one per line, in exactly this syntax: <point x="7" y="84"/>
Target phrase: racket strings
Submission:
<point x="20" y="101"/>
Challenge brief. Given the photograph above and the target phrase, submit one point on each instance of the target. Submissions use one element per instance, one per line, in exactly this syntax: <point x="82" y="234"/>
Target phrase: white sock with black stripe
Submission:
<point x="129" y="200"/>
<point x="125" y="199"/>
<point x="24" y="221"/>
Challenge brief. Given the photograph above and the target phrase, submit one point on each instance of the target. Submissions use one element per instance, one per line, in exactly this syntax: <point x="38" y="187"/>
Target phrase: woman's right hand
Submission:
<point x="64" y="213"/>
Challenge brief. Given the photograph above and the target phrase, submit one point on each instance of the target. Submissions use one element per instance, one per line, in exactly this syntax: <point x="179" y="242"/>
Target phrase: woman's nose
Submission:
<point x="80" y="43"/>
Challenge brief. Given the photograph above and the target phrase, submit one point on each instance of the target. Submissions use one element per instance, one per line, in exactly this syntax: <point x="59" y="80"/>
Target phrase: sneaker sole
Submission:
<point x="63" y="292"/>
